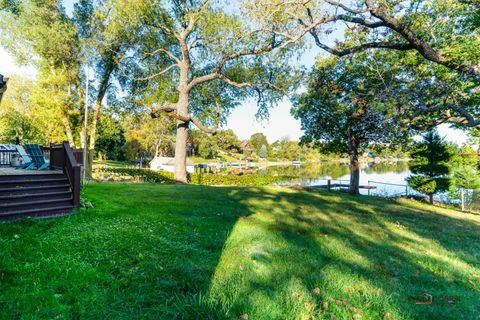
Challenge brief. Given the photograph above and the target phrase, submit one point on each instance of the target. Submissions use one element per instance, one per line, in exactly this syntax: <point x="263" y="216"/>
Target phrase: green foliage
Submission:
<point x="263" y="152"/>
<point x="236" y="180"/>
<point x="430" y="164"/>
<point x="466" y="177"/>
<point x="111" y="139"/>
<point x="146" y="175"/>
<point x="142" y="175"/>
<point x="257" y="140"/>
<point x="345" y="100"/>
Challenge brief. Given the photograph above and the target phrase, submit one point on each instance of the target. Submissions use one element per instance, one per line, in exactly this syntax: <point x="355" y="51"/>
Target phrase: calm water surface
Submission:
<point x="383" y="175"/>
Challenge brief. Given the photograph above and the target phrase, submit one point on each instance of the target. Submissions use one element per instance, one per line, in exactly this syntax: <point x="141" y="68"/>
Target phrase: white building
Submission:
<point x="167" y="164"/>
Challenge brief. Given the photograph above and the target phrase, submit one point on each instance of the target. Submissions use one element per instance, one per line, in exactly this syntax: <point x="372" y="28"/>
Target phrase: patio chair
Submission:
<point x="27" y="161"/>
<point x="38" y="158"/>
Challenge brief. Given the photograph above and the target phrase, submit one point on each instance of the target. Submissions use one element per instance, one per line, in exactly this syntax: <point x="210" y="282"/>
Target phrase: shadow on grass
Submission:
<point x="196" y="252"/>
<point x="361" y="256"/>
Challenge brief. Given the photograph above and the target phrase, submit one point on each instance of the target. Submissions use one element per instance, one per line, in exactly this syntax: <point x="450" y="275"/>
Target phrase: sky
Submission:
<point x="242" y="120"/>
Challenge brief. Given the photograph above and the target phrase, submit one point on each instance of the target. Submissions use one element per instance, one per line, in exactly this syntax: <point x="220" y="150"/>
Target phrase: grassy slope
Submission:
<point x="164" y="252"/>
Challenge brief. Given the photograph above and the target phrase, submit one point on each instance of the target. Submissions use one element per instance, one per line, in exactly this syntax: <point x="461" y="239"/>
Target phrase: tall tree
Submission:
<point x="429" y="165"/>
<point x="103" y="46"/>
<point x="214" y="58"/>
<point x="349" y="105"/>
<point x="442" y="33"/>
<point x="41" y="33"/>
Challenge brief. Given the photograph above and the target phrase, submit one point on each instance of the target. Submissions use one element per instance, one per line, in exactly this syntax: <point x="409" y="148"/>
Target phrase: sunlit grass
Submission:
<point x="192" y="252"/>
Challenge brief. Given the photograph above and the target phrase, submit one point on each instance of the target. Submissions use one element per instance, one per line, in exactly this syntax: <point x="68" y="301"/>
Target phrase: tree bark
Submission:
<point x="180" y="172"/>
<point x="68" y="131"/>
<point x="430" y="198"/>
<point x="354" y="165"/>
<point x="463" y="199"/>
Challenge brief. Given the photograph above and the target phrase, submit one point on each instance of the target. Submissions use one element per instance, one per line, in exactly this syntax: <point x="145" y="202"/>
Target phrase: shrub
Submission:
<point x="129" y="174"/>
<point x="147" y="175"/>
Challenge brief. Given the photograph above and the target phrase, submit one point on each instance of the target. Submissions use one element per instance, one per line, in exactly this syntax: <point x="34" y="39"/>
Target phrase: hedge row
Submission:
<point x="146" y="175"/>
<point x="132" y="174"/>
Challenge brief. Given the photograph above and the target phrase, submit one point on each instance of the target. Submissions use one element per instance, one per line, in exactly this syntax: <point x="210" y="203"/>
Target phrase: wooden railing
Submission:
<point x="6" y="157"/>
<point x="62" y="157"/>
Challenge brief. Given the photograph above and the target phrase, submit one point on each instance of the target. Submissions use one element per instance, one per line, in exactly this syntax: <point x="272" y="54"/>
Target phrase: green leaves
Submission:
<point x="430" y="165"/>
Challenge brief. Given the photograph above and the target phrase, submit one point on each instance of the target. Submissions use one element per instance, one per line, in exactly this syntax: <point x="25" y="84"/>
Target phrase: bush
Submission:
<point x="135" y="174"/>
<point x="147" y="175"/>
<point x="253" y="180"/>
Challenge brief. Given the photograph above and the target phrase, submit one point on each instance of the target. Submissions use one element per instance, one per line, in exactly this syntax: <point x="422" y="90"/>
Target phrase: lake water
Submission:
<point x="388" y="177"/>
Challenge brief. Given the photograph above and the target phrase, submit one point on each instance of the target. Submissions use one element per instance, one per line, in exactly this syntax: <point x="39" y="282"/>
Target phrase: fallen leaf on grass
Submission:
<point x="316" y="291"/>
<point x="309" y="306"/>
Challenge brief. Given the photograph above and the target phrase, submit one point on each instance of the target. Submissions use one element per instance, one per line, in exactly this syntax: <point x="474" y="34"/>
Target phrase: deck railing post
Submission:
<point x="76" y="187"/>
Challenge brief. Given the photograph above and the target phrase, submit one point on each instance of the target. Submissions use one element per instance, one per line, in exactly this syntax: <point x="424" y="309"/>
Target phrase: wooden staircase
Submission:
<point x="42" y="195"/>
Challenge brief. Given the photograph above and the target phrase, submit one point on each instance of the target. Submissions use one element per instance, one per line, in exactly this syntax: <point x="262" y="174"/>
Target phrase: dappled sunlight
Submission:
<point x="337" y="257"/>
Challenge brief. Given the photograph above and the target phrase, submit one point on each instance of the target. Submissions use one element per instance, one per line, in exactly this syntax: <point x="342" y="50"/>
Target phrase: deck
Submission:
<point x="10" y="171"/>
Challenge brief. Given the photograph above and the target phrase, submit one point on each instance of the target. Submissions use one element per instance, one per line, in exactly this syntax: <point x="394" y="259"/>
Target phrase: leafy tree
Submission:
<point x="111" y="139"/>
<point x="440" y="35"/>
<point x="429" y="165"/>
<point x="257" y="140"/>
<point x="349" y="105"/>
<point x="466" y="178"/>
<point x="227" y="141"/>
<point x="263" y="152"/>
<point x="208" y="58"/>
<point x="41" y="33"/>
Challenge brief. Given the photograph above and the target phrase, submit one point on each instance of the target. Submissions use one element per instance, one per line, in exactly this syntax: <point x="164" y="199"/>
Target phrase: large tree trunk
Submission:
<point x="430" y="198"/>
<point x="354" y="166"/>
<point x="180" y="173"/>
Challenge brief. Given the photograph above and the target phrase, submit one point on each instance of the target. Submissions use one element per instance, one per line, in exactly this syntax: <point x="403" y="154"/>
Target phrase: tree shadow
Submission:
<point x="196" y="252"/>
<point x="367" y="257"/>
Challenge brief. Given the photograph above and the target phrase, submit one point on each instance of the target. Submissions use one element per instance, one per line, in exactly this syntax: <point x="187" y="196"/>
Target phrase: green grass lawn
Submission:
<point x="194" y="252"/>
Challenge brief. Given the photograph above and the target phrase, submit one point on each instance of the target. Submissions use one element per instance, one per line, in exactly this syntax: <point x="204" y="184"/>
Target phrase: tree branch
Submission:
<point x="166" y="52"/>
<point x="154" y="75"/>
<point x="427" y="51"/>
<point x="171" y="110"/>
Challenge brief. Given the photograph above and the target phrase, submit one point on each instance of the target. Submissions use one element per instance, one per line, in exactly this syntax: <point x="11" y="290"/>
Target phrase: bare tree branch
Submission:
<point x="166" y="52"/>
<point x="153" y="75"/>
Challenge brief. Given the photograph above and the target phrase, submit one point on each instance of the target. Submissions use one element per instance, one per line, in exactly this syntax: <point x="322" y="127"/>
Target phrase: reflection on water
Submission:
<point x="373" y="174"/>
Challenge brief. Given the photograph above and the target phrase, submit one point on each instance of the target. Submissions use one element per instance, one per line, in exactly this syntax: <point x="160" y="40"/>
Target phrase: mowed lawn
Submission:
<point x="195" y="252"/>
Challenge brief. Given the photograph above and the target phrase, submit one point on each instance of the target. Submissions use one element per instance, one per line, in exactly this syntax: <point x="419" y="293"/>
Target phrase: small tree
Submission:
<point x="429" y="165"/>
<point x="263" y="152"/>
<point x="466" y="179"/>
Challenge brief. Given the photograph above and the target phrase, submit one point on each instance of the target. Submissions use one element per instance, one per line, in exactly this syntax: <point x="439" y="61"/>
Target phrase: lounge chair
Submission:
<point x="38" y="158"/>
<point x="27" y="161"/>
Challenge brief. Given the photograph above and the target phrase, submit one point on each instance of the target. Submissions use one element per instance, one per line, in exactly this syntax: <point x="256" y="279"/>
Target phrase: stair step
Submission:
<point x="46" y="194"/>
<point x="34" y="189"/>
<point x="34" y="204"/>
<point x="32" y="181"/>
<point x="42" y="212"/>
<point x="30" y="177"/>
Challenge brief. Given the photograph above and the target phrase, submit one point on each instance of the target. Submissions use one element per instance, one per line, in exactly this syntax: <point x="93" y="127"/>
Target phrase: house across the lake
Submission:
<point x="167" y="164"/>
